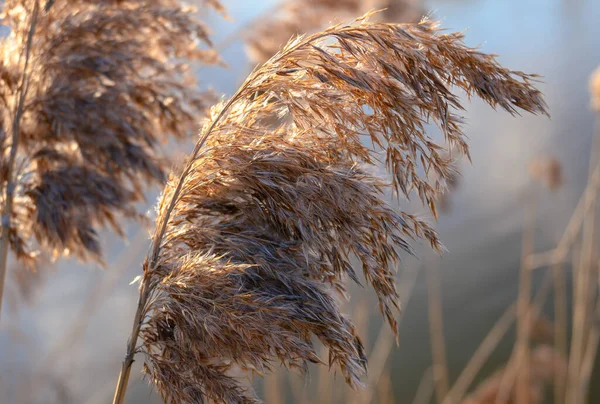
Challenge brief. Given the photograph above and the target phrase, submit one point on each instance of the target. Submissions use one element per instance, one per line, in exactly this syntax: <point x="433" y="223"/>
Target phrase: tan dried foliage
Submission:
<point x="296" y="17"/>
<point x="107" y="83"/>
<point x="255" y="236"/>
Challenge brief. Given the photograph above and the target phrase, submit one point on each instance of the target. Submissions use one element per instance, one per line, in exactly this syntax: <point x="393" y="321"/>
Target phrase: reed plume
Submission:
<point x="254" y="237"/>
<point x="548" y="171"/>
<point x="295" y="17"/>
<point x="90" y="90"/>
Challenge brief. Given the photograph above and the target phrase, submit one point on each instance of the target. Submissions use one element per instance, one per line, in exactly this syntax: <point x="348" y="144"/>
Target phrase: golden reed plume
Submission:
<point x="101" y="96"/>
<point x="90" y="91"/>
<point x="255" y="236"/>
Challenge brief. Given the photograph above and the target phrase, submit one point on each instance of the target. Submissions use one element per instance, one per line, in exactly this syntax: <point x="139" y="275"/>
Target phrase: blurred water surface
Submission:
<point x="558" y="39"/>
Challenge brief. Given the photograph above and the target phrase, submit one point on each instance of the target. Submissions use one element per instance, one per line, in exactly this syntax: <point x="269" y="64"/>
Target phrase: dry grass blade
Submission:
<point x="253" y="239"/>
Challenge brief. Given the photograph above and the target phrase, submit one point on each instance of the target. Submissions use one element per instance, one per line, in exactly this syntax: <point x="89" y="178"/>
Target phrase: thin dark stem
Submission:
<point x="138" y="319"/>
<point x="11" y="181"/>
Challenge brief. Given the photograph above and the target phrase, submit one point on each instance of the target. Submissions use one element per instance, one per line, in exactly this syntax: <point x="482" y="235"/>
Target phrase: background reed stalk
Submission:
<point x="7" y="207"/>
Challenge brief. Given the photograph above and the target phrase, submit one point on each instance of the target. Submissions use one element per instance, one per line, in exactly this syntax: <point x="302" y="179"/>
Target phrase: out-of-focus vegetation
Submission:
<point x="541" y="349"/>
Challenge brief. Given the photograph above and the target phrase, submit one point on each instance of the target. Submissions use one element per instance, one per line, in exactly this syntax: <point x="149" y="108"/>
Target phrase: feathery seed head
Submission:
<point x="106" y="85"/>
<point x="256" y="235"/>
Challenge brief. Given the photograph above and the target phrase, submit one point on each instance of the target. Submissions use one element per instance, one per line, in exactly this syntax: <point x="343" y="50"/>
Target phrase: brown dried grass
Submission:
<point x="93" y="74"/>
<point x="254" y="237"/>
<point x="90" y="91"/>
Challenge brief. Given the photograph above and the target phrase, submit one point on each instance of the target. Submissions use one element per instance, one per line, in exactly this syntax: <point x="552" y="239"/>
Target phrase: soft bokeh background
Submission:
<point x="67" y="343"/>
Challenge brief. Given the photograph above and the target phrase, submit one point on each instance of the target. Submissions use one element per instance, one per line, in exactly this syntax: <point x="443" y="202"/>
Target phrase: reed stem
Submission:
<point x="522" y="350"/>
<point x="560" y="327"/>
<point x="10" y="184"/>
<point x="123" y="380"/>
<point x="436" y="331"/>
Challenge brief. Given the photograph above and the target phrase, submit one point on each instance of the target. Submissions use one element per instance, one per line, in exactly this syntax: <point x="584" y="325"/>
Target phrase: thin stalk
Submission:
<point x="324" y="384"/>
<point x="298" y="389"/>
<point x="523" y="304"/>
<point x="273" y="390"/>
<point x="517" y="372"/>
<point x="384" y="390"/>
<point x="575" y="287"/>
<point x="377" y="362"/>
<point x="582" y="294"/>
<point x="560" y="327"/>
<point x="131" y="346"/>
<point x="508" y="377"/>
<point x="589" y="358"/>
<point x="489" y="343"/>
<point x="581" y="325"/>
<point x="11" y="177"/>
<point x="561" y="251"/>
<point x="425" y="389"/>
<point x="436" y="330"/>
<point x="385" y="339"/>
<point x="592" y="302"/>
<point x="361" y="323"/>
<point x="481" y="355"/>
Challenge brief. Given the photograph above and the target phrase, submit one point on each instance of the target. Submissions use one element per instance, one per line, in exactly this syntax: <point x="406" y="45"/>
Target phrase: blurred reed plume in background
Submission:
<point x="548" y="171"/>
<point x="90" y="92"/>
<point x="254" y="236"/>
<point x="267" y="35"/>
